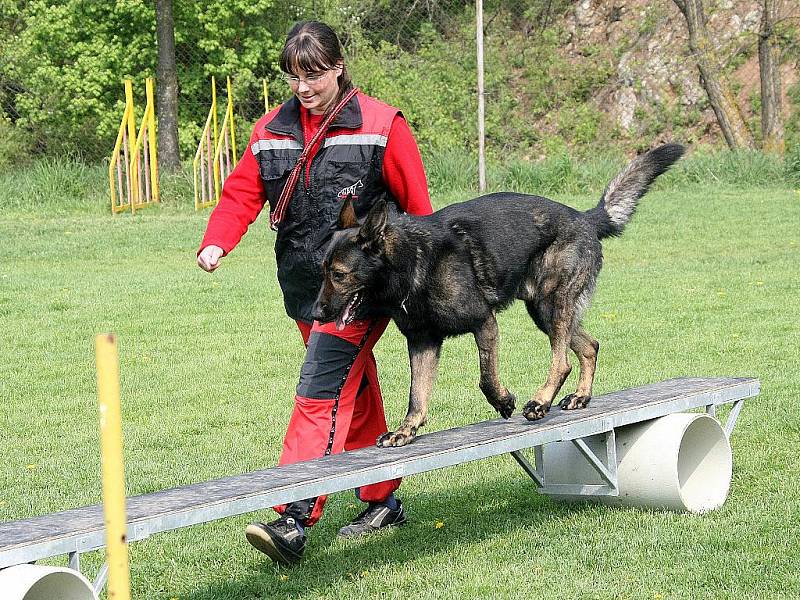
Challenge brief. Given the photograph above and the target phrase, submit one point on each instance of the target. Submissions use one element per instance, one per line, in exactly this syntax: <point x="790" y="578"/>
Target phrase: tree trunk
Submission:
<point x="769" y="66"/>
<point x="167" y="89"/>
<point x="722" y="99"/>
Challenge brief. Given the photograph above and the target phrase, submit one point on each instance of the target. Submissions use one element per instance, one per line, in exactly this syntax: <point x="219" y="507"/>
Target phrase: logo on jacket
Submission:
<point x="350" y="190"/>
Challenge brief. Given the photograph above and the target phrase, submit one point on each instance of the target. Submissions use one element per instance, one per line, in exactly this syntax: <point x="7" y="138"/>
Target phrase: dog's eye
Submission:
<point x="338" y="276"/>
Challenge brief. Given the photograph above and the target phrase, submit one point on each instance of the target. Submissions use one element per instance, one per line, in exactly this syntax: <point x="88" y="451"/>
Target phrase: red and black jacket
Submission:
<point x="349" y="160"/>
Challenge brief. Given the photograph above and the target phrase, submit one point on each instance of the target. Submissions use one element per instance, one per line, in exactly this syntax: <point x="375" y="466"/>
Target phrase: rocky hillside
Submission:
<point x="654" y="84"/>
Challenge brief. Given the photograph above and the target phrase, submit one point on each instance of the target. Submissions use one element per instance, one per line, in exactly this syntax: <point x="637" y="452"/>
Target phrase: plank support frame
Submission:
<point x="605" y="466"/>
<point x="215" y="499"/>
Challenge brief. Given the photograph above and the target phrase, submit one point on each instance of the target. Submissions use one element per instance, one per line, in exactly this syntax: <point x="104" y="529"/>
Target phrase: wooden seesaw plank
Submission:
<point x="81" y="529"/>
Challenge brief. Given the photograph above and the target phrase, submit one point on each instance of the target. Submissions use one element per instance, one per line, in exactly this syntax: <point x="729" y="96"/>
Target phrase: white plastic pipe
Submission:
<point x="678" y="462"/>
<point x="39" y="582"/>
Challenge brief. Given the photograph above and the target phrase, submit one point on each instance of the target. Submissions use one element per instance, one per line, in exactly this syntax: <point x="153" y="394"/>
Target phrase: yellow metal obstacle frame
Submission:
<point x="225" y="152"/>
<point x="203" y="178"/>
<point x="133" y="168"/>
<point x="216" y="154"/>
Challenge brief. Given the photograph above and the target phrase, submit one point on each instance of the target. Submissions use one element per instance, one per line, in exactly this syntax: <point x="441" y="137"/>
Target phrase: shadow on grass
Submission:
<point x="467" y="516"/>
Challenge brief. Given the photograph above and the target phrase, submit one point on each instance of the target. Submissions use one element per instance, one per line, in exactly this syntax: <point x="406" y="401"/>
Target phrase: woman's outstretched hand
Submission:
<point x="208" y="259"/>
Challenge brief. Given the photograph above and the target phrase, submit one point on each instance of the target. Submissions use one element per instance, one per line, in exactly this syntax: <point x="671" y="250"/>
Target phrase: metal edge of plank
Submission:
<point x="738" y="388"/>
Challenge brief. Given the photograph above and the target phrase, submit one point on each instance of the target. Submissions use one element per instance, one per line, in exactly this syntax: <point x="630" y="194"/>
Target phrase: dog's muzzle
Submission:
<point x="319" y="312"/>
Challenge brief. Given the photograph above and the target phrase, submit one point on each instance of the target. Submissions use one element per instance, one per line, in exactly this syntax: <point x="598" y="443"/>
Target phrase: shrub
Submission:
<point x="15" y="144"/>
<point x="792" y="163"/>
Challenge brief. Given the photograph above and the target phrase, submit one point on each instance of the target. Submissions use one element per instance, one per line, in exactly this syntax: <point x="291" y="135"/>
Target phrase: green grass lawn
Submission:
<point x="704" y="282"/>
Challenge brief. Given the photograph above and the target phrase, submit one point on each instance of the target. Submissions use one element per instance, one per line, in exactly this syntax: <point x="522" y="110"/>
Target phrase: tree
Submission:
<point x="769" y="66"/>
<point x="167" y="88"/>
<point x="722" y="99"/>
<point x="69" y="76"/>
<point x="63" y="63"/>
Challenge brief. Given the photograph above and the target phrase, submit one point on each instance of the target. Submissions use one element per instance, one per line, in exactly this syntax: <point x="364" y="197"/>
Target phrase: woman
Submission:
<point x="367" y="152"/>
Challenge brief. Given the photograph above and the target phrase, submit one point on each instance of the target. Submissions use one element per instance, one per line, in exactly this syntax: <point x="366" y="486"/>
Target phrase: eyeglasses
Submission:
<point x="312" y="79"/>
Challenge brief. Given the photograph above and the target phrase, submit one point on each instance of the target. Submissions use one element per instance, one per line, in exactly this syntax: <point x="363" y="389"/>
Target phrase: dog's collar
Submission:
<point x="403" y="303"/>
<point x="412" y="283"/>
<point x="410" y="287"/>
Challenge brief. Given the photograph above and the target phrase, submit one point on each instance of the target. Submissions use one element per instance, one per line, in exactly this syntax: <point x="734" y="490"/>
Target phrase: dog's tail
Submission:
<point x="618" y="203"/>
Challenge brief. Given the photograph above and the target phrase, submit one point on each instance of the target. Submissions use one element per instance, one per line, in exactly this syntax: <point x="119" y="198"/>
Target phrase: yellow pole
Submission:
<point x="151" y="125"/>
<point x="113" y="468"/>
<point x="214" y="107"/>
<point x="196" y="176"/>
<point x="266" y="98"/>
<point x="214" y="164"/>
<point x="134" y="180"/>
<point x="230" y="122"/>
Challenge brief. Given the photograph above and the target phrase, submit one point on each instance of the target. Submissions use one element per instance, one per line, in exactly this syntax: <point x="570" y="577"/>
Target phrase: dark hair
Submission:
<point x="313" y="46"/>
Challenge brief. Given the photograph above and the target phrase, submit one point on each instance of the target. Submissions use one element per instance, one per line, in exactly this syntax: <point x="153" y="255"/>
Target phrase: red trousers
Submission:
<point x="338" y="405"/>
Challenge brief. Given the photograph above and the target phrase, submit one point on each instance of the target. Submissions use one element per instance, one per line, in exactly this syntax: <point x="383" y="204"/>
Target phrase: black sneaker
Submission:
<point x="373" y="518"/>
<point x="281" y="540"/>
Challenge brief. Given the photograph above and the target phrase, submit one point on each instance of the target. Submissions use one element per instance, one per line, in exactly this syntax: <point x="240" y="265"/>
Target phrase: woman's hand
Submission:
<point x="208" y="259"/>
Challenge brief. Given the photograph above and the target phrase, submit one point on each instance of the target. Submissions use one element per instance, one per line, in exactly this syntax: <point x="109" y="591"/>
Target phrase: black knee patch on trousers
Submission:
<point x="363" y="385"/>
<point x="328" y="361"/>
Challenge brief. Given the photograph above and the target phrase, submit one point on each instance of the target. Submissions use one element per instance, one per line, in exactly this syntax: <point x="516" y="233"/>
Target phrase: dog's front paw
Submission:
<point x="534" y="411"/>
<point x="574" y="401"/>
<point x="398" y="438"/>
<point x="504" y="404"/>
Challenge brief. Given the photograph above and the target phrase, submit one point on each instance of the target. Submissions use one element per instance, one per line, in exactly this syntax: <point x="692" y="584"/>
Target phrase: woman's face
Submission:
<point x="316" y="90"/>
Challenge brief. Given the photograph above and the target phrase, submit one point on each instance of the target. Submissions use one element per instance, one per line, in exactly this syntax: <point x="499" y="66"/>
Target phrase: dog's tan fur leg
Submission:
<point x="424" y="363"/>
<point x="496" y="393"/>
<point x="558" y="373"/>
<point x="586" y="349"/>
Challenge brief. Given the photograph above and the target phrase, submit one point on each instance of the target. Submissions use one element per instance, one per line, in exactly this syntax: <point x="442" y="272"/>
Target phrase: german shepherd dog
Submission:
<point x="449" y="273"/>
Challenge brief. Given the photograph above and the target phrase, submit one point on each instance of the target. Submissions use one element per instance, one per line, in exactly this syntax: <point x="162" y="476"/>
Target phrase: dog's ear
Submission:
<point x="347" y="215"/>
<point x="371" y="236"/>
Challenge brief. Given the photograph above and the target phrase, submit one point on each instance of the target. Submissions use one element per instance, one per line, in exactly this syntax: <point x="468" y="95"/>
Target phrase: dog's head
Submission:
<point x="353" y="265"/>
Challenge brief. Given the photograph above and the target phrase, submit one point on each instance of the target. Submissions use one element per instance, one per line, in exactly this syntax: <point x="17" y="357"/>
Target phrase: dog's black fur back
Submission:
<point x="449" y="273"/>
<point x="478" y="253"/>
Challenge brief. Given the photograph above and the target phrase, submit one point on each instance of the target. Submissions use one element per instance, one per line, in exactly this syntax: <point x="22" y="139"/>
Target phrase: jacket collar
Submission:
<point x="287" y="121"/>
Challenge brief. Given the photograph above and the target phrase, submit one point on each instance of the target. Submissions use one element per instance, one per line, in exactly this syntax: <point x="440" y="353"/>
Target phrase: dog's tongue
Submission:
<point x="341" y="321"/>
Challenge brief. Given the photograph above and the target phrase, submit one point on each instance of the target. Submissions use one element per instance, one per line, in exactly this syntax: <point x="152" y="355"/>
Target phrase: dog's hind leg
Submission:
<point x="424" y="357"/>
<point x="496" y="393"/>
<point x="559" y="329"/>
<point x="586" y="349"/>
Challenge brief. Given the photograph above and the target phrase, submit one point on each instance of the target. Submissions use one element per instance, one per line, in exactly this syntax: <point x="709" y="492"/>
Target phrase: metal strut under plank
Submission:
<point x="605" y="466"/>
<point x="102" y="574"/>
